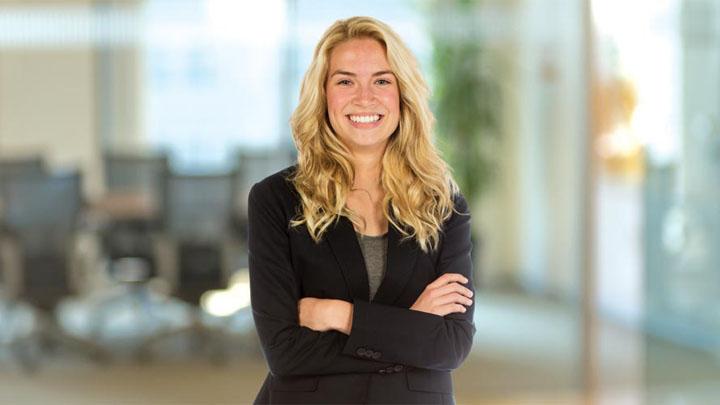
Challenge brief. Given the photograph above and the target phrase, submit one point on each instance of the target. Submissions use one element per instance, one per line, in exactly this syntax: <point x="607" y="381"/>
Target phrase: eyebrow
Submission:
<point x="344" y="72"/>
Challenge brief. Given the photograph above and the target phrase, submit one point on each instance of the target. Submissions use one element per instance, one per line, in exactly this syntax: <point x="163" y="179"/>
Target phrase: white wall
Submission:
<point x="47" y="106"/>
<point x="532" y="218"/>
<point x="60" y="95"/>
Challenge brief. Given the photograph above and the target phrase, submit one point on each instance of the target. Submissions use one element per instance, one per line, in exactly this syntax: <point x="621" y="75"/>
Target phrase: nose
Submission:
<point x="365" y="95"/>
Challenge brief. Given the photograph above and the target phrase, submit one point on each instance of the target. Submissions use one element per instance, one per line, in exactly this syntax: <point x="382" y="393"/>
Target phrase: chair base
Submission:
<point x="27" y="350"/>
<point x="203" y="339"/>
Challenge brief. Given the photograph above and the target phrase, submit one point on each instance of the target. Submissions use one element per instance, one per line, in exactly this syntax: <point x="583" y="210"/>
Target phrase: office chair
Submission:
<point x="41" y="214"/>
<point x="9" y="309"/>
<point x="133" y="180"/>
<point x="130" y="225"/>
<point x="198" y="231"/>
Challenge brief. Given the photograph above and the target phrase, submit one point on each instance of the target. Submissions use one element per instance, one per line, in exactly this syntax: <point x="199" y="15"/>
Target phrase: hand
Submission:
<point x="444" y="296"/>
<point x="323" y="315"/>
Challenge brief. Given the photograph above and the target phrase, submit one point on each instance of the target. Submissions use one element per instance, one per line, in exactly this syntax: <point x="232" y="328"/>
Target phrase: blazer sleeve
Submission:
<point x="416" y="338"/>
<point x="290" y="349"/>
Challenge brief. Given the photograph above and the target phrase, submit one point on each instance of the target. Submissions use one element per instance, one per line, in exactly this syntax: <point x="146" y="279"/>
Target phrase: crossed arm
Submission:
<point x="443" y="296"/>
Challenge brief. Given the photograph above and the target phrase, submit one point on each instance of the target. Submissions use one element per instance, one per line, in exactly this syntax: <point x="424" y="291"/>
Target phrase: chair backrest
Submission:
<point x="9" y="168"/>
<point x="24" y="166"/>
<point x="199" y="208"/>
<point x="198" y="215"/>
<point x="41" y="213"/>
<point x="136" y="174"/>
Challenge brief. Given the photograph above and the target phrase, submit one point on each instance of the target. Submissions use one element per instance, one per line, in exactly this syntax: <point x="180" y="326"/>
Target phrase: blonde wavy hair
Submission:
<point x="417" y="182"/>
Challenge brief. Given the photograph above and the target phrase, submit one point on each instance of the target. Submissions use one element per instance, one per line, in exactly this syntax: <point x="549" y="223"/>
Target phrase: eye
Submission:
<point x="382" y="82"/>
<point x="344" y="82"/>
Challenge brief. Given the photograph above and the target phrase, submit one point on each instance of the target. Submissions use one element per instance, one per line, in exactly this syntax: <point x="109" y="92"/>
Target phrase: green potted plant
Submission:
<point x="466" y="97"/>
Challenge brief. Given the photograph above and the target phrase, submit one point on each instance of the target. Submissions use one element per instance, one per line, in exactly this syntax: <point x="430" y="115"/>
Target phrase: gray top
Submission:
<point x="374" y="250"/>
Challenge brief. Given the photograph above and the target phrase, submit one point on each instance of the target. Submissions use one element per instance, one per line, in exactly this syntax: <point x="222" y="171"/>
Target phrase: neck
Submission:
<point x="368" y="169"/>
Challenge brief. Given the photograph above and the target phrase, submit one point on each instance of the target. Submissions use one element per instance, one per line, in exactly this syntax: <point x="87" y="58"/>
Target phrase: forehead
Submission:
<point x="360" y="55"/>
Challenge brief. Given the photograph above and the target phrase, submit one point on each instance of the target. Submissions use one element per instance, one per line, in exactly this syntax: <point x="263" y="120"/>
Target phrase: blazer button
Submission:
<point x="389" y="370"/>
<point x="398" y="367"/>
<point x="361" y="351"/>
<point x="376" y="355"/>
<point x="382" y="371"/>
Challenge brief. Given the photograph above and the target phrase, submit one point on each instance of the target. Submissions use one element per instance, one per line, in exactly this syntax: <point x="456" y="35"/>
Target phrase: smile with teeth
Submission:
<point x="365" y="119"/>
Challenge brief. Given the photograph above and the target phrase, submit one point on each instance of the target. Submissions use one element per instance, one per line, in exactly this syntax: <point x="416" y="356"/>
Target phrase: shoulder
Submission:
<point x="460" y="212"/>
<point x="276" y="184"/>
<point x="276" y="188"/>
<point x="460" y="205"/>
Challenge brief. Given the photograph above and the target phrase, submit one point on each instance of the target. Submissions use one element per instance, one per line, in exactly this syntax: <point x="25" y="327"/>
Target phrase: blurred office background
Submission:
<point x="586" y="134"/>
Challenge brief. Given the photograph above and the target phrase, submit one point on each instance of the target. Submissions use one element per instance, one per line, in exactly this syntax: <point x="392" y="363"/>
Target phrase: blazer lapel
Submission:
<point x="400" y="262"/>
<point x="400" y="265"/>
<point x="344" y="244"/>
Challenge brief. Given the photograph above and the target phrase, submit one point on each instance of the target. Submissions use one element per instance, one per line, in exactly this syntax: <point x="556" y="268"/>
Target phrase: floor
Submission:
<point x="526" y="352"/>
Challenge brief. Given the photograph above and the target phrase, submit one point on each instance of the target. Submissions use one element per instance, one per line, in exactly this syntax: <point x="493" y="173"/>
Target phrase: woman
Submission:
<point x="360" y="265"/>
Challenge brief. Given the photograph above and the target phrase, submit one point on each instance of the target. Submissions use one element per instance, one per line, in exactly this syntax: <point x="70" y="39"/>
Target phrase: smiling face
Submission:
<point x="363" y="98"/>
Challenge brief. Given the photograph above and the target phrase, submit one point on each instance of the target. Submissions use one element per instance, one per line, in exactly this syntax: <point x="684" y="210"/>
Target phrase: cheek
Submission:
<point x="334" y="105"/>
<point x="394" y="107"/>
<point x="392" y="101"/>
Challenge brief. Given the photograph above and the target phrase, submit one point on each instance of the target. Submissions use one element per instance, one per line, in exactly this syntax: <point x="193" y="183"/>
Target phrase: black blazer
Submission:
<point x="393" y="354"/>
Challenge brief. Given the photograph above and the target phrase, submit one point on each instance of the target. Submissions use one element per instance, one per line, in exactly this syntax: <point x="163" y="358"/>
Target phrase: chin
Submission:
<point x="365" y="145"/>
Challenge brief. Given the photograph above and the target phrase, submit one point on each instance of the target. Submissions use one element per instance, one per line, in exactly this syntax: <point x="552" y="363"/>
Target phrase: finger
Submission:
<point x="452" y="287"/>
<point x="453" y="298"/>
<point x="449" y="309"/>
<point x="448" y="278"/>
